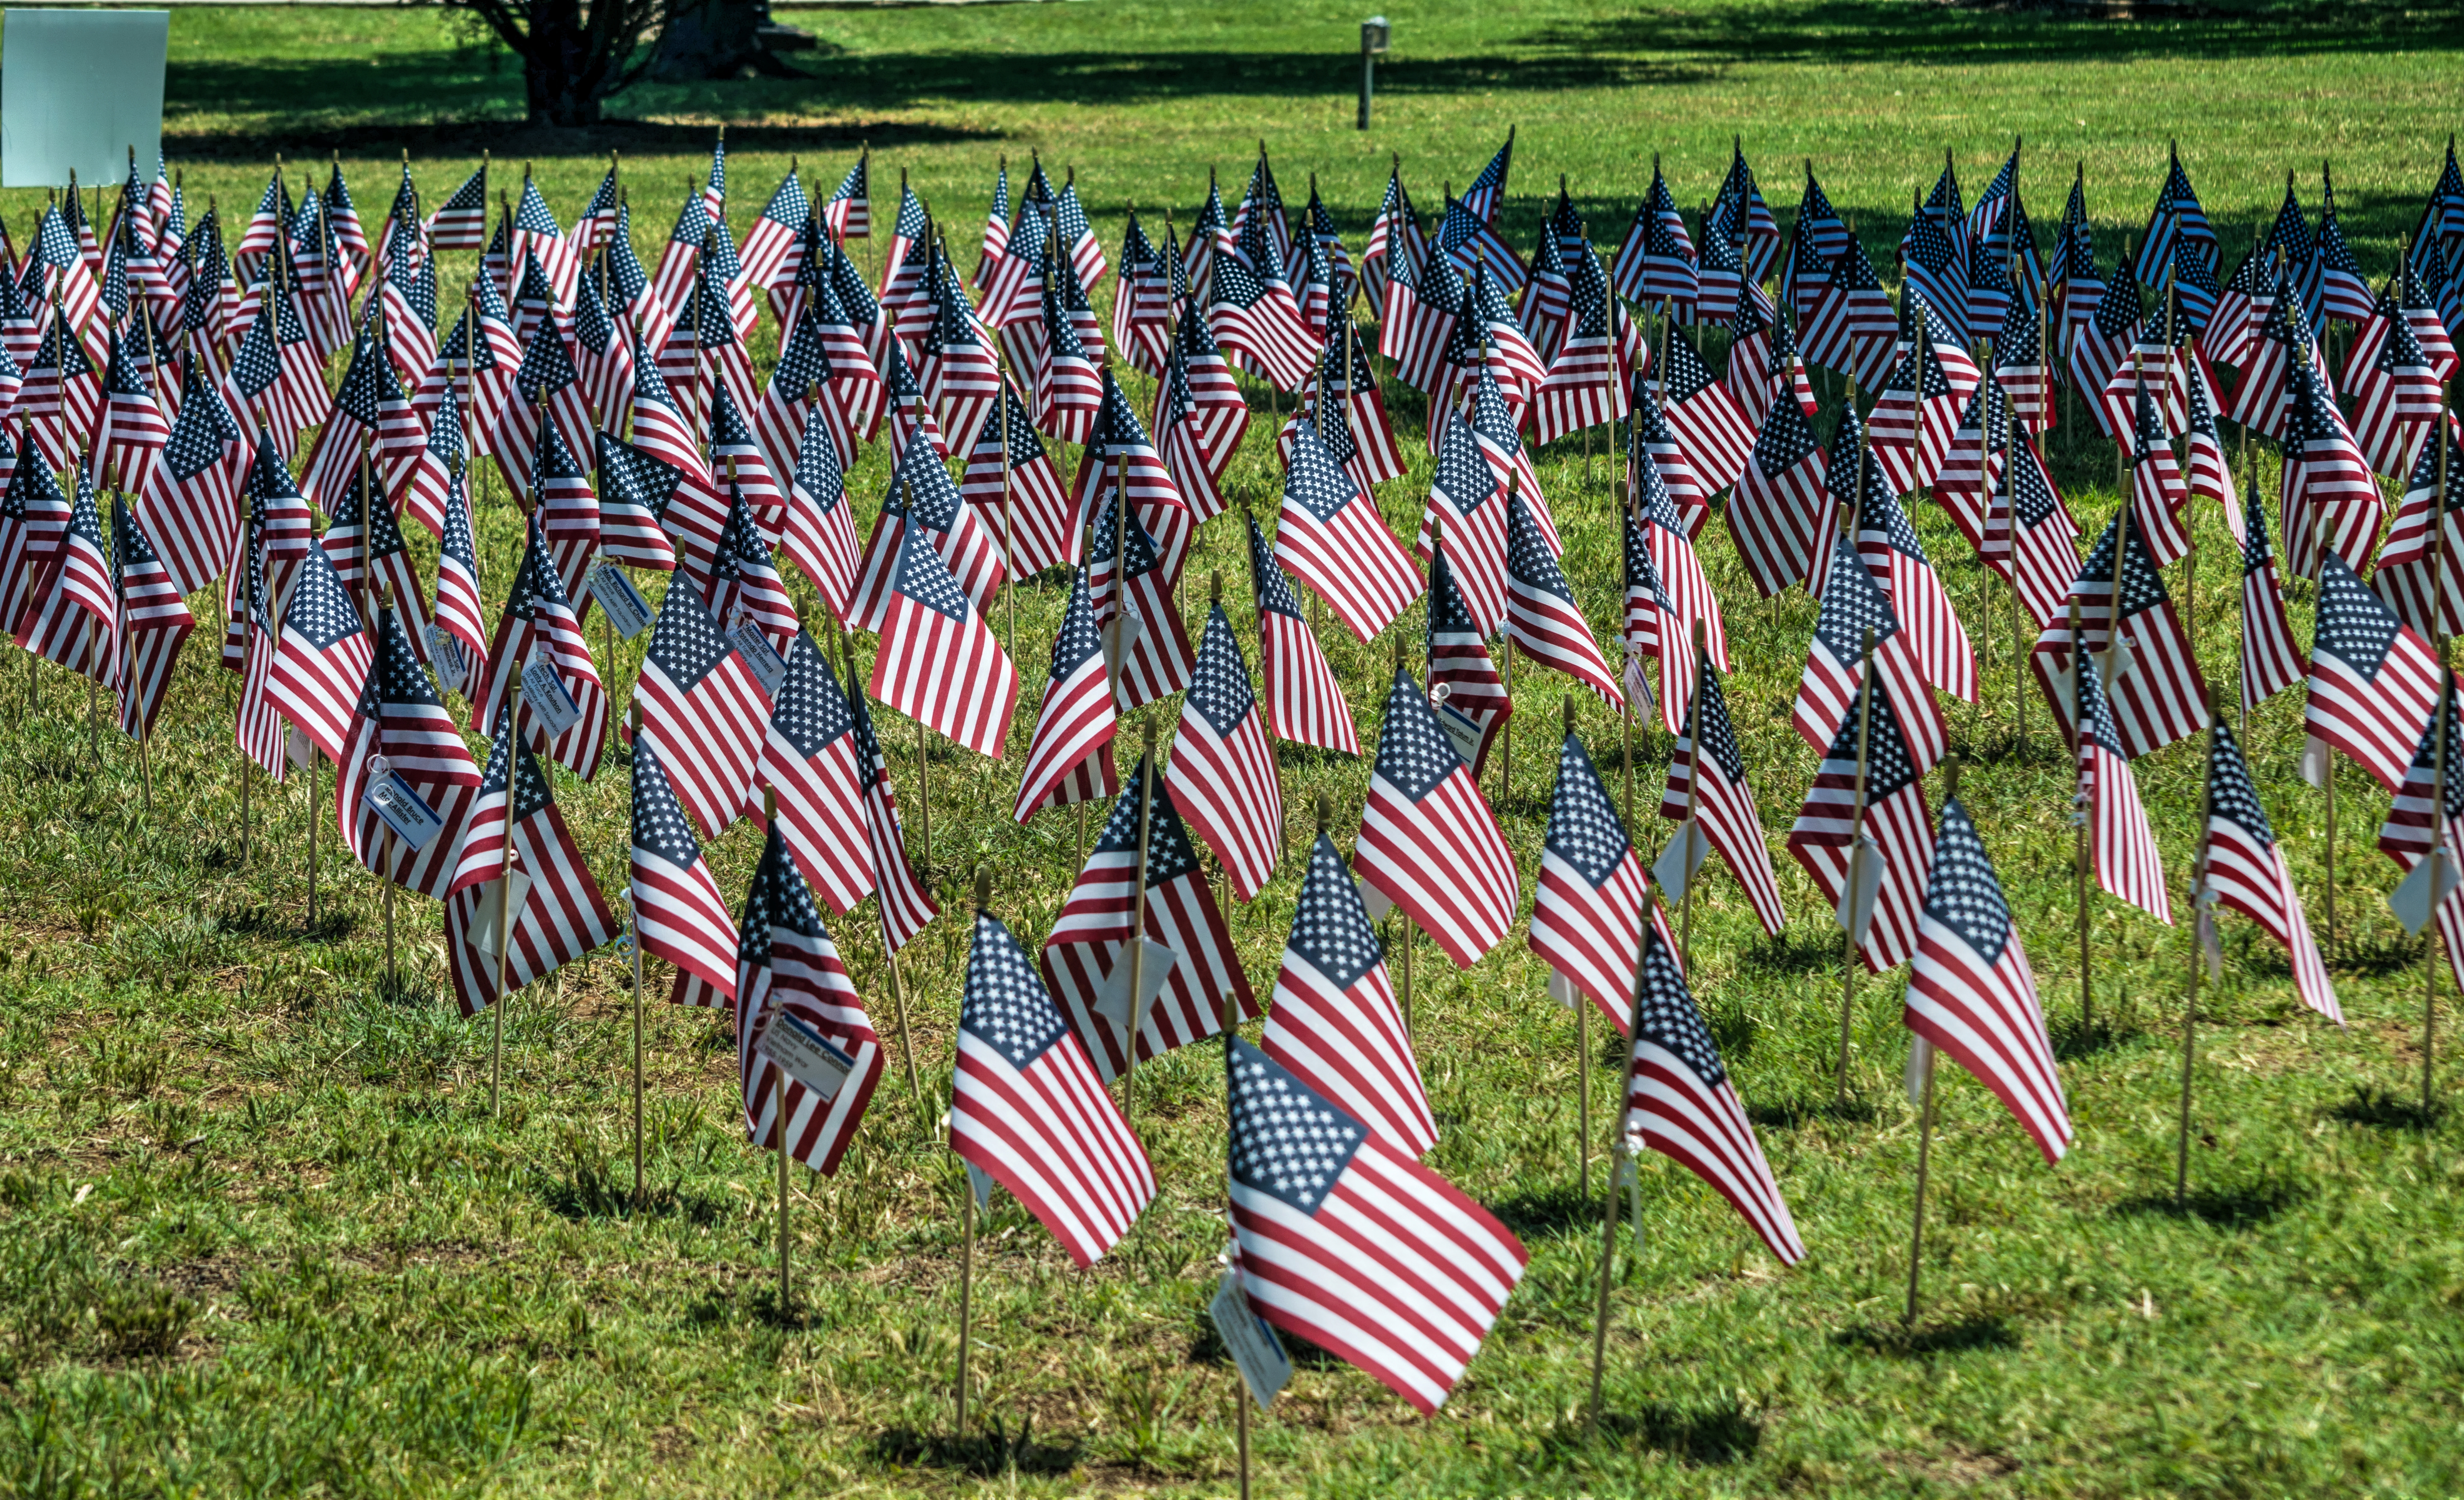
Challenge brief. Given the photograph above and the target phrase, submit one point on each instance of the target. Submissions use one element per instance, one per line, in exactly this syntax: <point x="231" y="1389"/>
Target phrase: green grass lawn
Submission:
<point x="259" y="1234"/>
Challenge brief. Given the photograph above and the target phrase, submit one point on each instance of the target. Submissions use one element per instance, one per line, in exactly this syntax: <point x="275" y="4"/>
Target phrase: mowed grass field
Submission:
<point x="260" y="1233"/>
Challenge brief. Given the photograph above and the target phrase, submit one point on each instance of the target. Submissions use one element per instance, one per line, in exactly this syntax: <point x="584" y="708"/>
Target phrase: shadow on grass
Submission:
<point x="2381" y="1109"/>
<point x="1206" y="1348"/>
<point x="1988" y="1331"/>
<point x="2242" y="1206"/>
<point x="2376" y="957"/>
<point x="605" y="1190"/>
<point x="1797" y="1110"/>
<point x="512" y="136"/>
<point x="1723" y="1432"/>
<point x="987" y="1454"/>
<point x="1797" y="950"/>
<point x="2074" y="1038"/>
<point x="1551" y="1211"/>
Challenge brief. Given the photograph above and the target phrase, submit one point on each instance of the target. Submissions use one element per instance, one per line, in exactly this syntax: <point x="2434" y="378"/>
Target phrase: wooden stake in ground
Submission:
<point x="2326" y="751"/>
<point x="2199" y="926"/>
<point x="967" y="1212"/>
<point x="1924" y="1126"/>
<point x="1582" y="1055"/>
<point x="633" y="916"/>
<point x="777" y="1116"/>
<point x="1687" y="834"/>
<point x="1856" y="862"/>
<point x="1136" y="946"/>
<point x="2439" y="847"/>
<point x="889" y="952"/>
<point x="1609" y="1215"/>
<point x="504" y="924"/>
<point x="1403" y="928"/>
<point x="2079" y="850"/>
<point x="315" y="758"/>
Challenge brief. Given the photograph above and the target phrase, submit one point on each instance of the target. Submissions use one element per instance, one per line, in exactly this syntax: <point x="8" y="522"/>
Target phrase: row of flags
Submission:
<point x="184" y="380"/>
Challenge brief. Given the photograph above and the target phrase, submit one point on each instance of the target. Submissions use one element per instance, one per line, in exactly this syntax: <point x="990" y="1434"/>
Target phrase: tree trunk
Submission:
<point x="562" y="72"/>
<point x="715" y="40"/>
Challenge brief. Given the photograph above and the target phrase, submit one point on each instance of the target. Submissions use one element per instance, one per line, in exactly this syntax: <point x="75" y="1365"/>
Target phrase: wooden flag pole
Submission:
<point x="1925" y="1161"/>
<point x="1009" y="552"/>
<point x="967" y="1213"/>
<point x="2018" y="606"/>
<point x="385" y="837"/>
<point x="1693" y="799"/>
<point x="2198" y="924"/>
<point x="315" y="758"/>
<point x="1856" y="858"/>
<point x="2080" y="851"/>
<point x="1582" y="1057"/>
<point x="1137" y="943"/>
<point x="504" y="906"/>
<point x="2327" y="752"/>
<point x="1609" y="1215"/>
<point x="633" y="913"/>
<point x="2439" y="842"/>
<point x="1403" y="920"/>
<point x="778" y="1119"/>
<point x="889" y="953"/>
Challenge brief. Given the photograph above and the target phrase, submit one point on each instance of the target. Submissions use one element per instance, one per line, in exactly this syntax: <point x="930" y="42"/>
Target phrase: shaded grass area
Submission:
<point x="260" y="1233"/>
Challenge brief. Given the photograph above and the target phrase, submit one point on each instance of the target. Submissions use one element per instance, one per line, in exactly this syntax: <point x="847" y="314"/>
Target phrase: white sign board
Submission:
<point x="79" y="88"/>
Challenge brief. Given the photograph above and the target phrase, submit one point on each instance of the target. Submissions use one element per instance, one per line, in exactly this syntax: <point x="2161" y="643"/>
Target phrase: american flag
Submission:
<point x="62" y="397"/>
<point x="902" y="262"/>
<point x="2029" y="536"/>
<point x="2406" y="837"/>
<point x="1427" y="839"/>
<point x="1780" y="504"/>
<point x="1419" y="320"/>
<point x="2329" y="496"/>
<point x="1028" y="1109"/>
<point x="819" y="532"/>
<point x="1394" y="236"/>
<point x="1335" y="1023"/>
<point x="1934" y="250"/>
<point x="603" y="356"/>
<point x="1356" y="425"/>
<point x="1141" y="303"/>
<point x="1343" y="1240"/>
<point x="903" y="404"/>
<point x="1125" y="575"/>
<point x="1015" y="291"/>
<point x="744" y="585"/>
<point x="1467" y="509"/>
<point x="1687" y="589"/>
<point x="2244" y="868"/>
<point x="1077" y="235"/>
<point x="1063" y="377"/>
<point x="1893" y="826"/>
<point x="1852" y="330"/>
<point x="369" y="557"/>
<point x="1818" y="236"/>
<point x="1970" y="992"/>
<point x="1195" y="399"/>
<point x="538" y="621"/>
<point x="768" y="243"/>
<point x="2373" y="681"/>
<point x="1582" y="389"/>
<point x="151" y="623"/>
<point x="133" y="432"/>
<point x="1254" y="317"/>
<point x="2396" y="399"/>
<point x="461" y="221"/>
<point x="1918" y="413"/>
<point x="1897" y="561"/>
<point x="2079" y="286"/>
<point x="1972" y="468"/>
<point x="1679" y="1101"/>
<point x="1547" y="296"/>
<point x="2240" y="304"/>
<point x="2270" y="661"/>
<point x="2124" y="846"/>
<point x="2162" y="697"/>
<point x="1826" y="698"/>
<point x="2403" y="576"/>
<point x="1222" y="773"/>
<point x="2101" y="341"/>
<point x="323" y="659"/>
<point x="937" y="663"/>
<point x="1648" y="436"/>
<point x="1657" y="260"/>
<point x="961" y="378"/>
<point x="2158" y="363"/>
<point x="905" y="907"/>
<point x="334" y="464"/>
<point x="995" y="237"/>
<point x="1474" y="247"/>
<point x="786" y="966"/>
<point x="2211" y="474"/>
<point x="1459" y="659"/>
<point x="921" y="501"/>
<point x="1036" y="525"/>
<point x="1705" y="416"/>
<point x="562" y="914"/>
<point x="2178" y="217"/>
<point x="678" y="914"/>
<point x="1069" y="760"/>
<point x="635" y="494"/>
<point x="2022" y="367"/>
<point x="191" y="508"/>
<point x="809" y="760"/>
<point x="795" y="398"/>
<point x="72" y="600"/>
<point x="1495" y="423"/>
<point x="398" y="724"/>
<point x="1706" y="775"/>
<point x="1305" y="703"/>
<point x="2287" y="243"/>
<point x="1587" y="907"/>
<point x="1333" y="539"/>
<point x="568" y="513"/>
<point x="701" y="703"/>
<point x="2426" y="315"/>
<point x="679" y="260"/>
<point x="1083" y="958"/>
<point x="1750" y="379"/>
<point x="736" y="460"/>
<point x="1652" y="631"/>
<point x="1541" y="615"/>
<point x="461" y="665"/>
<point x="2283" y="343"/>
<point x="1119" y="456"/>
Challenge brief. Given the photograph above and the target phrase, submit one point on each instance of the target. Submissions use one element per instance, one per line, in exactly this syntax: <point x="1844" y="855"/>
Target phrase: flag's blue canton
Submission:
<point x="931" y="500"/>
<point x="2425" y="756"/>
<point x="2290" y="233"/>
<point x="318" y="611"/>
<point x="1109" y="531"/>
<point x="912" y="223"/>
<point x="1274" y="591"/>
<point x="534" y="289"/>
<point x="742" y="551"/>
<point x="592" y="327"/>
<point x="1888" y="767"/>
<point x="1170" y="855"/>
<point x="724" y="264"/>
<point x="547" y="367"/>
<point x="2352" y="622"/>
<point x="1448" y="614"/>
<point x="2097" y="712"/>
<point x="2121" y="312"/>
<point x="693" y="223"/>
<point x="1665" y="1014"/>
<point x="531" y="789"/>
<point x="1527" y="557"/>
<point x="727" y="429"/>
<point x="634" y="478"/>
<point x="1467" y="339"/>
<point x="366" y="383"/>
<point x="1118" y="431"/>
<point x="786" y="903"/>
<point x="924" y="577"/>
<point x="115" y="270"/>
<point x="626" y="278"/>
<point x="1219" y="686"/>
<point x="1932" y="384"/>
<point x="67" y="356"/>
<point x="471" y="195"/>
<point x="456" y="543"/>
<point x="1714" y="735"/>
<point x="2425" y="472"/>
<point x="531" y="215"/>
<point x="1851" y="604"/>
<point x="1179" y="401"/>
<point x="2256" y="550"/>
<point x="1583" y="828"/>
<point x="556" y="461"/>
<point x="1488" y="415"/>
<point x="2314" y="412"/>
<point x="1006" y="1005"/>
<point x="254" y="370"/>
<point x="816" y="470"/>
<point x="659" y="824"/>
<point x="59" y="241"/>
<point x="1464" y="476"/>
<point x="898" y="379"/>
<point x="1026" y="241"/>
<point x="1330" y="929"/>
<point x="1881" y="512"/>
<point x="1785" y="439"/>
<point x="2149" y="432"/>
<point x="1686" y="376"/>
<point x="1413" y="754"/>
<point x="457" y="347"/>
<point x="1648" y="429"/>
<point x="268" y="480"/>
<point x="1286" y="1139"/>
<point x="1658" y="507"/>
<point x="2401" y="350"/>
<point x="710" y="306"/>
<point x="129" y="547"/>
<point x="405" y="682"/>
<point x="202" y="431"/>
<point x="85" y="517"/>
<point x="1748" y="322"/>
<point x="856" y="304"/>
<point x="604" y="198"/>
<point x="2019" y="344"/>
<point x="1963" y="894"/>
<point x="2141" y="587"/>
<point x="1025" y="447"/>
<point x="1314" y="483"/>
<point x="1235" y="282"/>
<point x="2231" y="792"/>
<point x="491" y="301"/>
<point x="2032" y="499"/>
<point x="687" y="644"/>
<point x="812" y="713"/>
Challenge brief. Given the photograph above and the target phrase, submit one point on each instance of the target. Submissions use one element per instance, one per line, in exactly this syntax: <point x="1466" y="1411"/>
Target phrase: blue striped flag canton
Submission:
<point x="1665" y="1014"/>
<point x="659" y="822"/>
<point x="1414" y="756"/>
<point x="1583" y="827"/>
<point x="1330" y="929"/>
<point x="1962" y="894"/>
<point x="1219" y="686"/>
<point x="1285" y="1140"/>
<point x="1006" y="1005"/>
